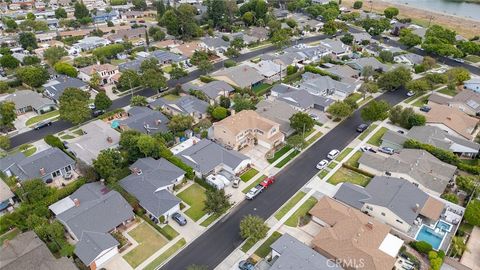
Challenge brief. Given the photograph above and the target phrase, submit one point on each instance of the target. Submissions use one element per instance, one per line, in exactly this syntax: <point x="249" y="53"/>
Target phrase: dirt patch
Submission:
<point x="465" y="27"/>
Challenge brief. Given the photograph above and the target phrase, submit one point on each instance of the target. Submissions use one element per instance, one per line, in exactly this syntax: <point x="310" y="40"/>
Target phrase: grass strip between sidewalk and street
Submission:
<point x="343" y="154"/>
<point x="366" y="132"/>
<point x="167" y="254"/>
<point x="289" y="205"/>
<point x="285" y="160"/>
<point x="292" y="221"/>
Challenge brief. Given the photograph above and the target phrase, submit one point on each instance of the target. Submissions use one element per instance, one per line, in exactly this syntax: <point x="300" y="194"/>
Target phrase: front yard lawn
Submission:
<point x="353" y="161"/>
<point x="248" y="174"/>
<point x="279" y="153"/>
<point x="149" y="242"/>
<point x="194" y="196"/>
<point x="292" y="221"/>
<point x="9" y="235"/>
<point x="42" y="117"/>
<point x="171" y="97"/>
<point x="168" y="230"/>
<point x="167" y="254"/>
<point x="289" y="205"/>
<point x="355" y="96"/>
<point x="286" y="159"/>
<point x="366" y="132"/>
<point x="421" y="101"/>
<point x="314" y="138"/>
<point x="261" y="88"/>
<point x="345" y="175"/>
<point x="30" y="151"/>
<point x="447" y="91"/>
<point x="473" y="58"/>
<point x="264" y="249"/>
<point x="209" y="220"/>
<point x="343" y="154"/>
<point x="376" y="138"/>
<point x="245" y="190"/>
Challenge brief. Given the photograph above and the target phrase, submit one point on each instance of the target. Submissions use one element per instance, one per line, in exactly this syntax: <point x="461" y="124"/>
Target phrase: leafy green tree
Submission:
<point x="472" y="213"/>
<point x="108" y="51"/>
<point x="469" y="47"/>
<point x="177" y="71"/>
<point x="8" y="61"/>
<point x="34" y="190"/>
<point x="241" y="103"/>
<point x="357" y="4"/>
<point x="27" y="40"/>
<point x="146" y="144"/>
<point x="156" y="33"/>
<point x="108" y="163"/>
<point x="330" y="28"/>
<point x="102" y="101"/>
<point x="154" y="79"/>
<point x="54" y="54"/>
<point x="368" y="87"/>
<point x="139" y="101"/>
<point x="139" y="4"/>
<point x="160" y="7"/>
<point x="237" y="43"/>
<point x="34" y="76"/>
<point x="31" y="60"/>
<point x="458" y="75"/>
<point x="232" y="52"/>
<point x="281" y="38"/>
<point x="8" y="114"/>
<point x="386" y="56"/>
<point x="467" y="183"/>
<point x="253" y="228"/>
<point x="180" y="123"/>
<point x="4" y="142"/>
<point x="390" y="12"/>
<point x="198" y="56"/>
<point x="394" y="79"/>
<point x="95" y="81"/>
<point x="301" y="122"/>
<point x="205" y="66"/>
<point x="375" y="27"/>
<point x="11" y="24"/>
<point x="84" y="61"/>
<point x="375" y="111"/>
<point x="181" y="22"/>
<point x="347" y="39"/>
<point x="418" y="86"/>
<point x="225" y="102"/>
<point x="450" y="197"/>
<point x="129" y="79"/>
<point x="297" y="141"/>
<point x="74" y="105"/>
<point x="408" y="38"/>
<point x="339" y="109"/>
<point x="217" y="202"/>
<point x="440" y="41"/>
<point x="66" y="68"/>
<point x="60" y="13"/>
<point x="80" y="11"/>
<point x="219" y="113"/>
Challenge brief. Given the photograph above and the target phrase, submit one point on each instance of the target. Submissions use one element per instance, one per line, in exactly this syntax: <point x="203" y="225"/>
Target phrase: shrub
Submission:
<point x="319" y="71"/>
<point x="54" y="141"/>
<point x="206" y="79"/>
<point x="229" y="63"/>
<point x="357" y="4"/>
<point x="421" y="246"/>
<point x="291" y="70"/>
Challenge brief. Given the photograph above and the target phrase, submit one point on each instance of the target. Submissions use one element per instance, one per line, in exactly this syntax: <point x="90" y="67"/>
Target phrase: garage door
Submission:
<point x="107" y="256"/>
<point x="264" y="144"/>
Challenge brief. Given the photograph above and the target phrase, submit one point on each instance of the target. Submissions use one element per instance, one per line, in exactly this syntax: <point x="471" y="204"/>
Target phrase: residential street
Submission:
<point x="220" y="240"/>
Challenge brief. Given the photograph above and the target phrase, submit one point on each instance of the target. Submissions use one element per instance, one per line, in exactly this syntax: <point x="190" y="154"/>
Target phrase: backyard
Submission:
<point x="194" y="196"/>
<point x="377" y="137"/>
<point x="293" y="220"/>
<point x="261" y="89"/>
<point x="149" y="242"/>
<point x="346" y="175"/>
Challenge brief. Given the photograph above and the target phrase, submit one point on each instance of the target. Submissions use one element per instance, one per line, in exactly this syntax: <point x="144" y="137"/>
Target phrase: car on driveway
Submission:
<point x="333" y="154"/>
<point x="253" y="192"/>
<point x="236" y="182"/>
<point x="386" y="150"/>
<point x="365" y="148"/>
<point x="322" y="164"/>
<point x="181" y="220"/>
<point x="362" y="127"/>
<point x="42" y="124"/>
<point x="425" y="108"/>
<point x="246" y="265"/>
<point x="410" y="94"/>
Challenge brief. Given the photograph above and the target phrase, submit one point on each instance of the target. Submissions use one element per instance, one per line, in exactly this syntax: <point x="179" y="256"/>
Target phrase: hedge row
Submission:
<point x="355" y="169"/>
<point x="322" y="72"/>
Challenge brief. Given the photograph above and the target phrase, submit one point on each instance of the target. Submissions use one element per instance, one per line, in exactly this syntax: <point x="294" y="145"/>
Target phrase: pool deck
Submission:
<point x="446" y="239"/>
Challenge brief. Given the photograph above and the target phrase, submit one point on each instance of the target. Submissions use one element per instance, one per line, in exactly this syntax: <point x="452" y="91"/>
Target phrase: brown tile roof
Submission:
<point x="351" y="237"/>
<point x="246" y="119"/>
<point x="98" y="68"/>
<point x="188" y="48"/>
<point x="453" y="119"/>
<point x="432" y="208"/>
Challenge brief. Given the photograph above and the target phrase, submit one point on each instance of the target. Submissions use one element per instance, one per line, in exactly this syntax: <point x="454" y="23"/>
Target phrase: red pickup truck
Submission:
<point x="268" y="181"/>
<point x="259" y="188"/>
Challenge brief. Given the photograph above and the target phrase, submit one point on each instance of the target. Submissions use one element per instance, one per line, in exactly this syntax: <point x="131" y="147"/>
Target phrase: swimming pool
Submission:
<point x="115" y="124"/>
<point x="429" y="235"/>
<point x="444" y="226"/>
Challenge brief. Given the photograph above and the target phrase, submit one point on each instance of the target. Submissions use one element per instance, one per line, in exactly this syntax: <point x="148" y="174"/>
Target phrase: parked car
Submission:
<point x="386" y="150"/>
<point x="425" y="108"/>
<point x="401" y="131"/>
<point x="236" y="182"/>
<point x="333" y="154"/>
<point x="322" y="164"/>
<point x="253" y="192"/>
<point x="97" y="113"/>
<point x="365" y="148"/>
<point x="314" y="116"/>
<point x="268" y="181"/>
<point x="91" y="106"/>
<point x="181" y="220"/>
<point x="246" y="265"/>
<point x="362" y="127"/>
<point x="410" y="94"/>
<point x="43" y="124"/>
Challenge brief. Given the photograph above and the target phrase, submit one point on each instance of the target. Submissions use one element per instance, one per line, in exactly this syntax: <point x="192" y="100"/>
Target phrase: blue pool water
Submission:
<point x="444" y="226"/>
<point x="428" y="235"/>
<point x="115" y="124"/>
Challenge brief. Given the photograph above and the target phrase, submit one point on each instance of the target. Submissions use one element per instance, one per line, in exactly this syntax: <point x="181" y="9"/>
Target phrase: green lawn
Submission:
<point x="264" y="249"/>
<point x="447" y="91"/>
<point x="171" y="97"/>
<point x="285" y="160"/>
<point x="314" y="138"/>
<point x="117" y="62"/>
<point x="473" y="58"/>
<point x="323" y="173"/>
<point x="245" y="190"/>
<point x="410" y="99"/>
<point x="248" y="174"/>
<point x="194" y="196"/>
<point x="149" y="242"/>
<point x="279" y="153"/>
<point x="367" y="99"/>
<point x="29" y="151"/>
<point x="353" y="161"/>
<point x="78" y="132"/>
<point x="345" y="175"/>
<point x="167" y="254"/>
<point x="366" y="132"/>
<point x="209" y="220"/>
<point x="376" y="138"/>
<point x="289" y="205"/>
<point x="332" y="165"/>
<point x="42" y="117"/>
<point x="355" y="96"/>
<point x="261" y="88"/>
<point x="168" y="230"/>
<point x="473" y="162"/>
<point x="421" y="101"/>
<point x="343" y="154"/>
<point x="247" y="245"/>
<point x="167" y="69"/>
<point x="292" y="221"/>
<point x="67" y="137"/>
<point x="9" y="235"/>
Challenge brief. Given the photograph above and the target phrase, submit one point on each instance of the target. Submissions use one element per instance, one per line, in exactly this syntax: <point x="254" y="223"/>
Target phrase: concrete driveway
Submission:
<point x="189" y="231"/>
<point x="257" y="155"/>
<point x="471" y="258"/>
<point x="117" y="263"/>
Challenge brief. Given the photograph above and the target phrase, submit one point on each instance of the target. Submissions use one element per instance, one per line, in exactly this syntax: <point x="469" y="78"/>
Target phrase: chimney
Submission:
<point x="109" y="139"/>
<point x="76" y="202"/>
<point x="449" y="118"/>
<point x="417" y="207"/>
<point x="370" y="225"/>
<point x="102" y="181"/>
<point x="42" y="171"/>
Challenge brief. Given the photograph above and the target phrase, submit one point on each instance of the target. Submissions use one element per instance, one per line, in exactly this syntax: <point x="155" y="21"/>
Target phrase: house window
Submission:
<point x="383" y="214"/>
<point x="68" y="168"/>
<point x="56" y="173"/>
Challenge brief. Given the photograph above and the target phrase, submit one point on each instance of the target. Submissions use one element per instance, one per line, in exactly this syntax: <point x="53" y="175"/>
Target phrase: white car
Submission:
<point x="322" y="164"/>
<point x="365" y="148"/>
<point x="410" y="94"/>
<point x="333" y="154"/>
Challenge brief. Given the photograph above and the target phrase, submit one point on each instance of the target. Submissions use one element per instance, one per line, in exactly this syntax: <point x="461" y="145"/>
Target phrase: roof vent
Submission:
<point x="42" y="171"/>
<point x="370" y="225"/>
<point x="76" y="202"/>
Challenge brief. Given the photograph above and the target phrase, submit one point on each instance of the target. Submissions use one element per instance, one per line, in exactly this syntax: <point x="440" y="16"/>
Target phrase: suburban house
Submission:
<point x="326" y="86"/>
<point x="97" y="136"/>
<point x="394" y="201"/>
<point x="361" y="37"/>
<point x="145" y="120"/>
<point x="361" y="63"/>
<point x="465" y="101"/>
<point x="270" y="70"/>
<point x="410" y="59"/>
<point x="242" y="76"/>
<point x="27" y="101"/>
<point x="88" y="43"/>
<point x="247" y="128"/>
<point x="105" y="71"/>
<point x="216" y="44"/>
<point x="279" y="112"/>
<point x="54" y="88"/>
<point x="6" y="197"/>
<point x="152" y="182"/>
<point x="261" y="33"/>
<point x="213" y="90"/>
<point x="46" y="165"/>
<point x="346" y="74"/>
<point x="167" y="58"/>
<point x="434" y="136"/>
<point x="289" y="253"/>
<point x="185" y="105"/>
<point x="453" y="121"/>
<point x="132" y="35"/>
<point x="302" y="53"/>
<point x="301" y="100"/>
<point x="207" y="157"/>
<point x="336" y="47"/>
<point x="89" y="215"/>
<point x="353" y="238"/>
<point x="28" y="251"/>
<point x="472" y="84"/>
<point x="418" y="166"/>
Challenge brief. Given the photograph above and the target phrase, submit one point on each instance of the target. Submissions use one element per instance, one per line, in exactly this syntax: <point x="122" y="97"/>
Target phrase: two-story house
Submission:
<point x="105" y="71"/>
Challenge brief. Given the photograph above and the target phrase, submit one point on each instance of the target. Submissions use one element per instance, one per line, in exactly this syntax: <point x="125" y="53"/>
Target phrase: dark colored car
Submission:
<point x="425" y="109"/>
<point x="181" y="220"/>
<point x="42" y="125"/>
<point x="97" y="113"/>
<point x="246" y="265"/>
<point x="362" y="127"/>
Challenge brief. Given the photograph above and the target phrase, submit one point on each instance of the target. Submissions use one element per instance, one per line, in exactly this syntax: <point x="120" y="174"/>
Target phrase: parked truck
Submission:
<point x="253" y="192"/>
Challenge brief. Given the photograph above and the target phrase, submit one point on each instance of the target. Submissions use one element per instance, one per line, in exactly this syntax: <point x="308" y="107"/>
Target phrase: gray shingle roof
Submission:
<point x="185" y="104"/>
<point x="241" y="75"/>
<point x="353" y="195"/>
<point x="54" y="88"/>
<point x="277" y="111"/>
<point x="146" y="120"/>
<point x="91" y="244"/>
<point x="305" y="100"/>
<point x="215" y="42"/>
<point x="100" y="210"/>
<point x="165" y="56"/>
<point x="360" y="63"/>
<point x="212" y="89"/>
<point x="295" y="255"/>
<point x="205" y="155"/>
<point x="318" y="85"/>
<point x="26" y="98"/>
